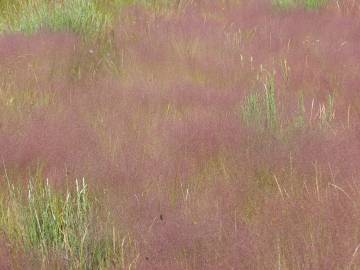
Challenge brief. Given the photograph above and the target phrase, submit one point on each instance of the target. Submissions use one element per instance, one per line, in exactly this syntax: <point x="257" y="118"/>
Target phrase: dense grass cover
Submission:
<point x="200" y="135"/>
<point x="90" y="18"/>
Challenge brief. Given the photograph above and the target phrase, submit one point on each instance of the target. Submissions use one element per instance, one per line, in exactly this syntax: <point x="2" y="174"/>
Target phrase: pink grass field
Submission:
<point x="155" y="124"/>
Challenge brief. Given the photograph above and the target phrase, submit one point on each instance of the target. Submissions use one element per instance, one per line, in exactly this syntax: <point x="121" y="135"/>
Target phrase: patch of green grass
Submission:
<point x="327" y="111"/>
<point x="89" y="18"/>
<point x="260" y="108"/>
<point x="252" y="111"/>
<point x="299" y="120"/>
<point x="61" y="229"/>
<point x="308" y="4"/>
<point x="285" y="4"/>
<point x="272" y="120"/>
<point x="86" y="17"/>
<point x="315" y="4"/>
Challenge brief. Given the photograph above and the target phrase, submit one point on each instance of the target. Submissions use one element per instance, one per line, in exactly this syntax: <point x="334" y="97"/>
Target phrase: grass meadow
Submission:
<point x="180" y="134"/>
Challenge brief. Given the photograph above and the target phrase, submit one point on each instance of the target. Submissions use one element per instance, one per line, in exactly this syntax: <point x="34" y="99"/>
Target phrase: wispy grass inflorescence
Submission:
<point x="211" y="134"/>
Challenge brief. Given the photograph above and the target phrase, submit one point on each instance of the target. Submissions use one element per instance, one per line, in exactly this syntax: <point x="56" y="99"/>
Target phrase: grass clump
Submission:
<point x="299" y="121"/>
<point x="308" y="4"/>
<point x="55" y="222"/>
<point x="326" y="112"/>
<point x="260" y="109"/>
<point x="315" y="4"/>
<point x="80" y="16"/>
<point x="90" y="18"/>
<point x="285" y="4"/>
<point x="61" y="229"/>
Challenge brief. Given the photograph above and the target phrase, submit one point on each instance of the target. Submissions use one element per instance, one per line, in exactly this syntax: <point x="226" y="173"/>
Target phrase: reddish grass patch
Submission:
<point x="164" y="135"/>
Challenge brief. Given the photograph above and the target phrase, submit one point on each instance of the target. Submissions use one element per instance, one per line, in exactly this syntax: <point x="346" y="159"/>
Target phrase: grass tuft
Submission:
<point x="308" y="4"/>
<point x="61" y="229"/>
<point x="80" y="16"/>
<point x="260" y="108"/>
